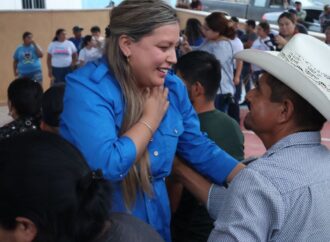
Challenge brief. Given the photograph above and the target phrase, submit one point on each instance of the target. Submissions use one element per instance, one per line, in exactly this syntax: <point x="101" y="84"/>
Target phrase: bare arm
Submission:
<point x="49" y="65"/>
<point x="38" y="50"/>
<point x="194" y="182"/>
<point x="174" y="190"/>
<point x="239" y="67"/>
<point x="74" y="59"/>
<point x="15" y="68"/>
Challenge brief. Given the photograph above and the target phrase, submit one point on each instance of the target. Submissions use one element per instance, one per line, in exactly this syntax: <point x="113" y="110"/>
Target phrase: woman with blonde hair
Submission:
<point x="129" y="114"/>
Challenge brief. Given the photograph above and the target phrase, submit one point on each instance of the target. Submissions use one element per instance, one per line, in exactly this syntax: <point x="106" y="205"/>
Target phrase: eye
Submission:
<point x="163" y="48"/>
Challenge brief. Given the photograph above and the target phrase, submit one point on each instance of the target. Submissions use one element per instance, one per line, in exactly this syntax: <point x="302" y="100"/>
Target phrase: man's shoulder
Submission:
<point x="294" y="167"/>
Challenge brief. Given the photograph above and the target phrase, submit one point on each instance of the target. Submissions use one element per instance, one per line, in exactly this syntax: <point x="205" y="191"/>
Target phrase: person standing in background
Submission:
<point x="61" y="58"/>
<point x="27" y="59"/>
<point x="89" y="52"/>
<point x="77" y="38"/>
<point x="100" y="41"/>
<point x="325" y="17"/>
<point x="301" y="14"/>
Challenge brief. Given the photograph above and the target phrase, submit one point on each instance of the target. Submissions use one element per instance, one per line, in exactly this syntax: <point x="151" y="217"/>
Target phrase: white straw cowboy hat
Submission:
<point x="303" y="65"/>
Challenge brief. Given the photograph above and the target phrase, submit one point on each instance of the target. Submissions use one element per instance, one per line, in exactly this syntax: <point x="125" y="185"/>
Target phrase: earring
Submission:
<point x="127" y="58"/>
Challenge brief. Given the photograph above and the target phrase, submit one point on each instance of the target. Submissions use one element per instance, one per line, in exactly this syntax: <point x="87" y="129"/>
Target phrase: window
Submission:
<point x="31" y="4"/>
<point x="260" y="3"/>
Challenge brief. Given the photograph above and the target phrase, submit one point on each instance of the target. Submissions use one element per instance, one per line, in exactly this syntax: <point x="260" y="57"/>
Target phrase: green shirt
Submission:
<point x="191" y="222"/>
<point x="224" y="131"/>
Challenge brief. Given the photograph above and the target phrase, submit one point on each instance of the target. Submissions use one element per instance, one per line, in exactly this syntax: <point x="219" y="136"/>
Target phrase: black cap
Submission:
<point x="77" y="29"/>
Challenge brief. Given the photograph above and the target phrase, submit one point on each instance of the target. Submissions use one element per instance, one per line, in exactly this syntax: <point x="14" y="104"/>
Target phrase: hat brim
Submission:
<point x="271" y="63"/>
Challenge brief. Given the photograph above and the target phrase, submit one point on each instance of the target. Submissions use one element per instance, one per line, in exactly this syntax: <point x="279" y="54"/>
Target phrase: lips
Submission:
<point x="163" y="70"/>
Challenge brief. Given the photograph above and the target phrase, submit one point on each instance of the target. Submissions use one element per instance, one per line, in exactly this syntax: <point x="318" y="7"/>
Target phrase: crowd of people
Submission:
<point x="138" y="138"/>
<point x="63" y="54"/>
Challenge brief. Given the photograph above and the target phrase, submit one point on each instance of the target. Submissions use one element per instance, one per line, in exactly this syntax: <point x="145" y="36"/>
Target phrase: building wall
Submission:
<point x="43" y="25"/>
<point x="50" y="4"/>
<point x="63" y="4"/>
<point x="10" y="4"/>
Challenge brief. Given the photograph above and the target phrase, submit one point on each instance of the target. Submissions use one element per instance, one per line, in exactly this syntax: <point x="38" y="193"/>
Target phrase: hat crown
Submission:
<point x="303" y="53"/>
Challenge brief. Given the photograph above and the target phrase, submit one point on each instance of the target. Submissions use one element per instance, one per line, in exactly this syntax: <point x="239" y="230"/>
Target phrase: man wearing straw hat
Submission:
<point x="285" y="194"/>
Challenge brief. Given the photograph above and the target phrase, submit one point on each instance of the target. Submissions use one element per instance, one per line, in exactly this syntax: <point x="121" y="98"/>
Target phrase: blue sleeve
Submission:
<point x="89" y="122"/>
<point x="198" y="150"/>
<point x="251" y="209"/>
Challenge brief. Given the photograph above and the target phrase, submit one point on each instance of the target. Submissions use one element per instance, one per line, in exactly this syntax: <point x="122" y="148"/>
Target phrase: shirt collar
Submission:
<point x="299" y="138"/>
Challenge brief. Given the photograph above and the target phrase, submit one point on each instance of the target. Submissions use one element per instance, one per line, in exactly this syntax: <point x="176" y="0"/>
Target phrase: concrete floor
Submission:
<point x="4" y="117"/>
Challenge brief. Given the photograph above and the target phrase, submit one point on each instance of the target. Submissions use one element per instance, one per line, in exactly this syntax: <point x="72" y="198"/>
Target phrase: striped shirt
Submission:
<point x="283" y="196"/>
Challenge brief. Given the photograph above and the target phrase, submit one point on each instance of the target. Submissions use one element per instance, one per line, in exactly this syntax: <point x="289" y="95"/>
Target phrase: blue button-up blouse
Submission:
<point x="91" y="120"/>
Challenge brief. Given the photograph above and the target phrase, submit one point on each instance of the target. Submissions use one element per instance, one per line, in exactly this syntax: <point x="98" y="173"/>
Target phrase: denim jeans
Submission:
<point x="222" y="102"/>
<point x="35" y="76"/>
<point x="59" y="74"/>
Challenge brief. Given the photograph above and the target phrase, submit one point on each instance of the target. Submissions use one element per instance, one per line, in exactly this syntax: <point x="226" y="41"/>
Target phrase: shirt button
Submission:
<point x="175" y="131"/>
<point x="121" y="175"/>
<point x="156" y="153"/>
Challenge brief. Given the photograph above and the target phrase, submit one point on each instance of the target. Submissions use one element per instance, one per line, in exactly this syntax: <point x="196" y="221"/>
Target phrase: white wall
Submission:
<point x="10" y="4"/>
<point x="63" y="4"/>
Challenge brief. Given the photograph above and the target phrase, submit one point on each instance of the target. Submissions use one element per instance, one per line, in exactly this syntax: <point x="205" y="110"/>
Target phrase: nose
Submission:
<point x="172" y="56"/>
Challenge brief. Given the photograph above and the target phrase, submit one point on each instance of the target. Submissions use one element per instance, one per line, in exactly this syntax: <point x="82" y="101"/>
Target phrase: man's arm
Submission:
<point x="251" y="209"/>
<point x="239" y="67"/>
<point x="191" y="180"/>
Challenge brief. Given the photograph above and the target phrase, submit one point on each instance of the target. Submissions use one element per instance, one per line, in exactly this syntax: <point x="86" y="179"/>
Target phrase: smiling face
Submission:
<point x="287" y="27"/>
<point x="152" y="56"/>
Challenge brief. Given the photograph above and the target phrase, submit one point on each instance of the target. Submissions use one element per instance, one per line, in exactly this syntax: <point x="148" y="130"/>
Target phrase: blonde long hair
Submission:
<point x="136" y="19"/>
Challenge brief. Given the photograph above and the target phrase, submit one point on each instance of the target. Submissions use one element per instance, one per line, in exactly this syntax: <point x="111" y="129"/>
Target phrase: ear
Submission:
<point x="25" y="230"/>
<point x="286" y="111"/>
<point x="199" y="89"/>
<point x="125" y="43"/>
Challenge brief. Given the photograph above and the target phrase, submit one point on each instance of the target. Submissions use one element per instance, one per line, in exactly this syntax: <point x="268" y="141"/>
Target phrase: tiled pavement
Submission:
<point x="253" y="145"/>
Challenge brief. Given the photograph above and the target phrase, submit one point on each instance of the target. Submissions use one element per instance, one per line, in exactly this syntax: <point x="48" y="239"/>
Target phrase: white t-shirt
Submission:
<point x="91" y="54"/>
<point x="260" y="44"/>
<point x="61" y="53"/>
<point x="237" y="47"/>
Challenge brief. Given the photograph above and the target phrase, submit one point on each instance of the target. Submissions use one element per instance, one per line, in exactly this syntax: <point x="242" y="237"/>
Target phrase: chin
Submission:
<point x="246" y="123"/>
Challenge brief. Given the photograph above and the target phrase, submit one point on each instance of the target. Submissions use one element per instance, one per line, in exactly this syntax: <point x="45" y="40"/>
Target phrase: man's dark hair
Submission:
<point x="251" y="23"/>
<point x="95" y="29"/>
<point x="306" y="116"/>
<point x="26" y="34"/>
<point x="265" y="26"/>
<point x="52" y="105"/>
<point x="25" y="96"/>
<point x="202" y="67"/>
